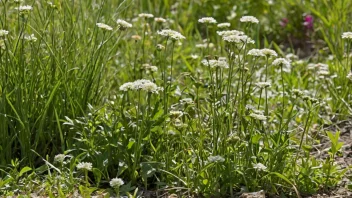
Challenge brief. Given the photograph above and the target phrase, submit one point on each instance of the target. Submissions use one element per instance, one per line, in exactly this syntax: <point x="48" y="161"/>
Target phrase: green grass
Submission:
<point x="208" y="130"/>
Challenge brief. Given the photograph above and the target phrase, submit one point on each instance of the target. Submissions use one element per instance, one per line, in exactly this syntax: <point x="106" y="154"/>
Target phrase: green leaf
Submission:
<point x="24" y="170"/>
<point x="205" y="181"/>
<point x="97" y="175"/>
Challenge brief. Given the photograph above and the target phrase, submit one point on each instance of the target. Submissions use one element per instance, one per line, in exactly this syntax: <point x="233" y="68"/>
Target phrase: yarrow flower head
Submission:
<point x="268" y="52"/>
<point x="150" y="68"/>
<point x="249" y="19"/>
<point x="24" y="9"/>
<point x="116" y="182"/>
<point x="104" y="26"/>
<point x="159" y="20"/>
<point x="144" y="85"/>
<point x="31" y="38"/>
<point x="238" y="39"/>
<point x="229" y="33"/>
<point x="123" y="24"/>
<point x="207" y="20"/>
<point x="85" y="166"/>
<point x="145" y="15"/>
<point x="259" y="166"/>
<point x="220" y="63"/>
<point x="255" y="52"/>
<point x="3" y="33"/>
<point x="224" y="25"/>
<point x="347" y="35"/>
<point x="171" y="34"/>
<point x="281" y="62"/>
<point x="59" y="158"/>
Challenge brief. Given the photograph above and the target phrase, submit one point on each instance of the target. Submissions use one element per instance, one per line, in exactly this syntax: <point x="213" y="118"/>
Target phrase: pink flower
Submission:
<point x="284" y="22"/>
<point x="308" y="21"/>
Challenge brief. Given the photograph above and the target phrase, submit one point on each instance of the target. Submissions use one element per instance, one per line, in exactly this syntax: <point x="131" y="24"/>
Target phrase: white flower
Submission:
<point x="349" y="76"/>
<point x="214" y="159"/>
<point x="25" y="8"/>
<point x="30" y="38"/>
<point x="249" y="19"/>
<point x="238" y="39"/>
<point x="291" y="56"/>
<point x="258" y="116"/>
<point x="123" y="24"/>
<point x="207" y="20"/>
<point x="150" y="68"/>
<point x="116" y="182"/>
<point x="171" y="34"/>
<point x="104" y="26"/>
<point x="3" y="33"/>
<point x="263" y="84"/>
<point x="229" y="32"/>
<point x="347" y="35"/>
<point x="59" y="158"/>
<point x="224" y="25"/>
<point x="259" y="166"/>
<point x="281" y="62"/>
<point x="255" y="52"/>
<point x="145" y="15"/>
<point x="268" y="52"/>
<point x="201" y="45"/>
<point x="160" y="20"/>
<point x="127" y="86"/>
<point x="194" y="56"/>
<point x="145" y="85"/>
<point x="221" y="63"/>
<point x="85" y="165"/>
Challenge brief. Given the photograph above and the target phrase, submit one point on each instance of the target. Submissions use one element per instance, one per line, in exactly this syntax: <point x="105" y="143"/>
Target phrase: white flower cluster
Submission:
<point x="85" y="166"/>
<point x="262" y="52"/>
<point x="150" y="68"/>
<point x="347" y="35"/>
<point x="116" y="182"/>
<point x="259" y="166"/>
<point x="59" y="158"/>
<point x="224" y="25"/>
<point x="104" y="26"/>
<point x="238" y="39"/>
<point x="144" y="85"/>
<point x="249" y="19"/>
<point x="207" y="20"/>
<point x="123" y="24"/>
<point x="220" y="63"/>
<point x="25" y="8"/>
<point x="229" y="33"/>
<point x="30" y="38"/>
<point x="159" y="20"/>
<point x="145" y="15"/>
<point x="281" y="62"/>
<point x="171" y="34"/>
<point x="3" y="33"/>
